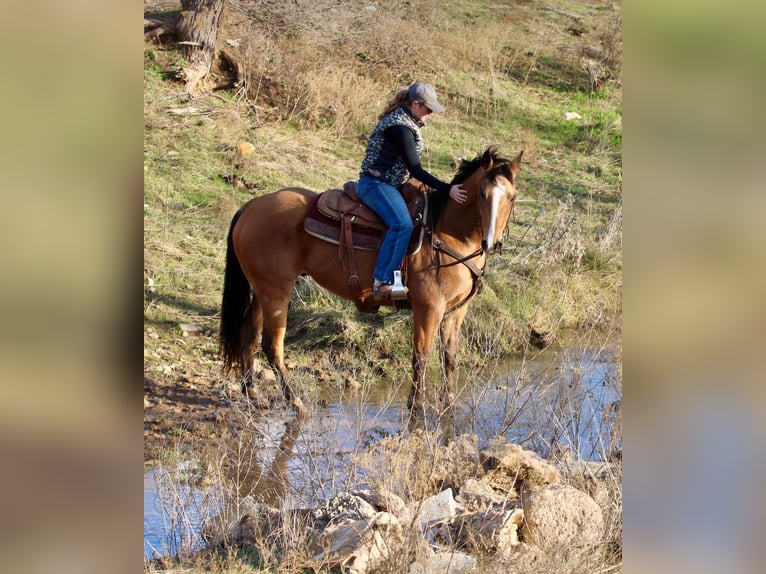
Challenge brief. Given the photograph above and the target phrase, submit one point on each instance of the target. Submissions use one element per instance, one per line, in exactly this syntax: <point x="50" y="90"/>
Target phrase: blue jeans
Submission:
<point x="388" y="203"/>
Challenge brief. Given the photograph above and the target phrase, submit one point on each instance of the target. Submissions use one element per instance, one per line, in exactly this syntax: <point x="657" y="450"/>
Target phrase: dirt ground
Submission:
<point x="173" y="409"/>
<point x="187" y="397"/>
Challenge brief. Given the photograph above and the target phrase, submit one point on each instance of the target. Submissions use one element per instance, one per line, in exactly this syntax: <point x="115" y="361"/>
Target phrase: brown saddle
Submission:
<point x="335" y="208"/>
<point x="338" y="216"/>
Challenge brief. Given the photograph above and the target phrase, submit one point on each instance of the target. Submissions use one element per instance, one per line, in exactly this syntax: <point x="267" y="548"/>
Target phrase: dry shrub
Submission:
<point x="416" y="466"/>
<point x="343" y="100"/>
<point x="564" y="242"/>
<point x="610" y="240"/>
<point x="331" y="64"/>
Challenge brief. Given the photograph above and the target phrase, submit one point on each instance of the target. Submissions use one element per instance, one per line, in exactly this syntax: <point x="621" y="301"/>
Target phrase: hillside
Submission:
<point x="310" y="79"/>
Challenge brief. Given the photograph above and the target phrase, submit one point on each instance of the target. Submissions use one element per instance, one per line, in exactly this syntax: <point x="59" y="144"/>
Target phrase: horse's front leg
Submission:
<point x="449" y="333"/>
<point x="425" y="325"/>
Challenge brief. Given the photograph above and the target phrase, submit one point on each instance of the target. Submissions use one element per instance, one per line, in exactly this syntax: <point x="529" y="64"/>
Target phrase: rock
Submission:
<point x="602" y="481"/>
<point x="560" y="516"/>
<point x="509" y="467"/>
<point x="245" y="148"/>
<point x="494" y="531"/>
<point x="437" y="509"/>
<point x="569" y="116"/>
<point x="479" y="494"/>
<point x="190" y="328"/>
<point x="360" y="546"/>
<point x="444" y="563"/>
<point x="342" y="509"/>
<point x="385" y="500"/>
<point x="457" y="462"/>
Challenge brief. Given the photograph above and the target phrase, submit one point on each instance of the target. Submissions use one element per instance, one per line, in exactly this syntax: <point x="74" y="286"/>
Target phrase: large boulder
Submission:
<point x="560" y="516"/>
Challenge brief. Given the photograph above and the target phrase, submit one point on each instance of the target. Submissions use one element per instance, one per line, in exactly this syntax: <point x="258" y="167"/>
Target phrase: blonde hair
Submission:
<point x="399" y="99"/>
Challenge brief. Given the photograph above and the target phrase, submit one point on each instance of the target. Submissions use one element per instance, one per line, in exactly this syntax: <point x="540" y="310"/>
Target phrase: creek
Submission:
<point x="564" y="400"/>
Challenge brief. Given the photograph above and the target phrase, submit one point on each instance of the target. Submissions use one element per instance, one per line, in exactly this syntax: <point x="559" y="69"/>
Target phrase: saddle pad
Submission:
<point x="319" y="225"/>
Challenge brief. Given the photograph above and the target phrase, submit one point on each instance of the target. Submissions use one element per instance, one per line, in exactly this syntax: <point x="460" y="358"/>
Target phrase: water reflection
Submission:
<point x="565" y="401"/>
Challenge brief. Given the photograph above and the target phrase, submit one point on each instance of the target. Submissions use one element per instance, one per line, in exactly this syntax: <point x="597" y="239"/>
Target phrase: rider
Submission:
<point x="393" y="156"/>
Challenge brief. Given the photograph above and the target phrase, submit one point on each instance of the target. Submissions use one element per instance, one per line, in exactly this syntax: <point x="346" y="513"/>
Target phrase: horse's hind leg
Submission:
<point x="272" y="342"/>
<point x="247" y="360"/>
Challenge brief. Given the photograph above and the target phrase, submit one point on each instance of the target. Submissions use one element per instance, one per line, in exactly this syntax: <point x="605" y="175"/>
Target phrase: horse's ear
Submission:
<point x="488" y="158"/>
<point x="516" y="163"/>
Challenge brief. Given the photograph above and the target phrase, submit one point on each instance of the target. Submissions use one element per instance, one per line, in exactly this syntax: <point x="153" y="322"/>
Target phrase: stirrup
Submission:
<point x="399" y="292"/>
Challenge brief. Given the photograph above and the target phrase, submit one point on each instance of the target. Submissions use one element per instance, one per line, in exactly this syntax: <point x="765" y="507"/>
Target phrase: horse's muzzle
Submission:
<point x="496" y="248"/>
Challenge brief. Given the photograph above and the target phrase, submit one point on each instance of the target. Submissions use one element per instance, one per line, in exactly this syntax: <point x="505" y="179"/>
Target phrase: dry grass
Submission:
<point x="361" y="52"/>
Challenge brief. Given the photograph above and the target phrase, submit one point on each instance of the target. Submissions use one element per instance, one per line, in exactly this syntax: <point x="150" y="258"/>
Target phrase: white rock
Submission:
<point x="437" y="509"/>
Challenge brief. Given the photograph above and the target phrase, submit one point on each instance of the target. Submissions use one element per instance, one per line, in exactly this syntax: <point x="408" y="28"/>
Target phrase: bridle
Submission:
<point x="438" y="247"/>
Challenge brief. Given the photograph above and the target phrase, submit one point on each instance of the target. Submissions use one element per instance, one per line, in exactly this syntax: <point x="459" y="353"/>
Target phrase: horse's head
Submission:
<point x="496" y="197"/>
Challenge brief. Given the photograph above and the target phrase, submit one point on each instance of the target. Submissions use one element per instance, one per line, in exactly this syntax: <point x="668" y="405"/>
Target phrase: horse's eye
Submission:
<point x="483" y="194"/>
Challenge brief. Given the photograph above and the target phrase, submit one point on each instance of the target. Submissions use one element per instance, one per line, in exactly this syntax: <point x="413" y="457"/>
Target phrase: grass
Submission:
<point x="511" y="84"/>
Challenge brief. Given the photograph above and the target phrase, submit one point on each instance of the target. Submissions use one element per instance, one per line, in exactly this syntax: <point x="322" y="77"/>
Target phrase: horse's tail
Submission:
<point x="236" y="330"/>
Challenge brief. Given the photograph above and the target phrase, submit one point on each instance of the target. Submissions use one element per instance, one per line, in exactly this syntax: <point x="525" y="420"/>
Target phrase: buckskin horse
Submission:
<point x="268" y="248"/>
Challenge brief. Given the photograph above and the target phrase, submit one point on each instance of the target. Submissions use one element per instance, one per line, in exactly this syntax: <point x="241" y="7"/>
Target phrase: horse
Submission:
<point x="268" y="249"/>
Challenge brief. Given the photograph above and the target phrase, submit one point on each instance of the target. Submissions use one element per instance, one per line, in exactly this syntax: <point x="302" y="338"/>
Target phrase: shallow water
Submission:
<point x="562" y="400"/>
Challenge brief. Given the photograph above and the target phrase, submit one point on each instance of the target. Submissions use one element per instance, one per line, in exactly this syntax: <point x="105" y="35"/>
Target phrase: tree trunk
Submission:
<point x="197" y="33"/>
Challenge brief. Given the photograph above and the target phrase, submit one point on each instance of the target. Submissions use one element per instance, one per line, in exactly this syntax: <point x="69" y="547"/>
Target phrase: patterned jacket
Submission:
<point x="382" y="159"/>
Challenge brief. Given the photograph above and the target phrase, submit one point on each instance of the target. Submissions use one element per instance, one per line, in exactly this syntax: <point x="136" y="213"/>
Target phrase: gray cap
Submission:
<point x="426" y="94"/>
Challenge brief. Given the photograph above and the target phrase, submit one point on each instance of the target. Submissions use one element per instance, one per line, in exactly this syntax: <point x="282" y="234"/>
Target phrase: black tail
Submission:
<point x="236" y="331"/>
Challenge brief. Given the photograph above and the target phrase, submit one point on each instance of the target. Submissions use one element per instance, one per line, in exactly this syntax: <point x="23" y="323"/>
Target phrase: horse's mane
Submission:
<point x="437" y="200"/>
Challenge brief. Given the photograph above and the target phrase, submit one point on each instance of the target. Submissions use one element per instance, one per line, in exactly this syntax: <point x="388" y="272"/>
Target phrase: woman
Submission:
<point x="393" y="156"/>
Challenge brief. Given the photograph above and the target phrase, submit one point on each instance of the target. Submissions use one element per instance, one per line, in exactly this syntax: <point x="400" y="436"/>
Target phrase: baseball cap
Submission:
<point x="425" y="93"/>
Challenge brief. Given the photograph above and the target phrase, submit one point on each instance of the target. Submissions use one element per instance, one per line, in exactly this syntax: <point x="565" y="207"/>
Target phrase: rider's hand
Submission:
<point x="458" y="194"/>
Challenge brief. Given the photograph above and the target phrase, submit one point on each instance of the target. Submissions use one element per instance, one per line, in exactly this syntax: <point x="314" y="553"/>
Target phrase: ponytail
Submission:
<point x="399" y="99"/>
